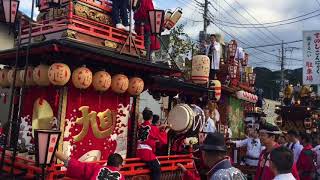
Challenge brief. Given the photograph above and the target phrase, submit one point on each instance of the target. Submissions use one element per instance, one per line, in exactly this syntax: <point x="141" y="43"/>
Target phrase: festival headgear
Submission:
<point x="214" y="142"/>
<point x="270" y="129"/>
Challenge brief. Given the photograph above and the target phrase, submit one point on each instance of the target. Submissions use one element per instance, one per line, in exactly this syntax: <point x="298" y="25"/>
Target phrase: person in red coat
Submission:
<point x="148" y="136"/>
<point x="92" y="171"/>
<point x="191" y="174"/>
<point x="141" y="17"/>
<point x="268" y="135"/>
<point x="306" y="161"/>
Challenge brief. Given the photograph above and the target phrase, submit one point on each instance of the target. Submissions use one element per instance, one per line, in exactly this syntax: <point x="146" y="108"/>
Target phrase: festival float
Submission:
<point x="299" y="109"/>
<point x="76" y="80"/>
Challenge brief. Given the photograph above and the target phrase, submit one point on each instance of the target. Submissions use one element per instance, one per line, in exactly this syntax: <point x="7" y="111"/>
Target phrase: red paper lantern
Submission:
<point x="101" y="81"/>
<point x="82" y="78"/>
<point x="216" y="86"/>
<point x="4" y="78"/>
<point x="40" y="75"/>
<point x="119" y="83"/>
<point x="59" y="74"/>
<point x="233" y="71"/>
<point x="136" y="86"/>
<point x="29" y="78"/>
<point x="232" y="48"/>
<point x="252" y="78"/>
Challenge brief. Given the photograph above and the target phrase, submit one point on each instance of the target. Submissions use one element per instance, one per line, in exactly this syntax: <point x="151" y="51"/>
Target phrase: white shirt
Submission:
<point x="254" y="148"/>
<point x="209" y="126"/>
<point x="296" y="148"/>
<point x="317" y="150"/>
<point x="215" y="59"/>
<point x="288" y="176"/>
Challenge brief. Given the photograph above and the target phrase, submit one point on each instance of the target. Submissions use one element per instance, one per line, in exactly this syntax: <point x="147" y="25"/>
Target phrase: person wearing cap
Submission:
<point x="254" y="147"/>
<point x="281" y="161"/>
<point x="215" y="157"/>
<point x="148" y="136"/>
<point x="294" y="143"/>
<point x="213" y="51"/>
<point x="269" y="134"/>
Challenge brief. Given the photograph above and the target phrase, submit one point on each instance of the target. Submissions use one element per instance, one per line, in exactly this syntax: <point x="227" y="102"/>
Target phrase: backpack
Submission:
<point x="313" y="155"/>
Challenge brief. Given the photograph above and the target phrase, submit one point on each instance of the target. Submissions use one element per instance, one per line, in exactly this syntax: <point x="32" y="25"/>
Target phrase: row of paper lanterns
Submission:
<point x="247" y="96"/>
<point x="59" y="74"/>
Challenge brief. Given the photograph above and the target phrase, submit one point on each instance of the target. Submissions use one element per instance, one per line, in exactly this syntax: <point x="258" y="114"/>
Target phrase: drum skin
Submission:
<point x="186" y="119"/>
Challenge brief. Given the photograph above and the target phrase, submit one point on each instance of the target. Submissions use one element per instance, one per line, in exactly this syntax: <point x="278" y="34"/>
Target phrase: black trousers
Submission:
<point x="155" y="169"/>
<point x="119" y="10"/>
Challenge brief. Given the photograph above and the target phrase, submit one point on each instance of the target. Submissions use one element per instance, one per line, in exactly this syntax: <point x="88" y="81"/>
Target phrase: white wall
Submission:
<point x="6" y="40"/>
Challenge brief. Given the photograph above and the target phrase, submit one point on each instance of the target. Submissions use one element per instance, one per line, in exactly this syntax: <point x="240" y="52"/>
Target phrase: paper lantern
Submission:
<point x="59" y="74"/>
<point x="216" y="86"/>
<point x="4" y="78"/>
<point x="40" y="75"/>
<point x="29" y="79"/>
<point x="119" y="83"/>
<point x="18" y="81"/>
<point x="200" y="69"/>
<point x="82" y="78"/>
<point x="101" y="81"/>
<point x="136" y="86"/>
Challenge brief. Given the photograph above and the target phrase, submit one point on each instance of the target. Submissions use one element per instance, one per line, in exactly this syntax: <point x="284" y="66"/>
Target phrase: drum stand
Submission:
<point x="130" y="39"/>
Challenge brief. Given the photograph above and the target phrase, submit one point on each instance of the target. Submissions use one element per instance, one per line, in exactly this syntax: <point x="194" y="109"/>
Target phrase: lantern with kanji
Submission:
<point x="156" y="18"/>
<point x="59" y="74"/>
<point x="200" y="69"/>
<point x="136" y="86"/>
<point x="232" y="49"/>
<point x="40" y="75"/>
<point x="252" y="78"/>
<point x="119" y="83"/>
<point x="18" y="81"/>
<point x="233" y="70"/>
<point x="82" y="78"/>
<point x="4" y="77"/>
<point x="307" y="122"/>
<point x="29" y="78"/>
<point x="216" y="86"/>
<point x="101" y="81"/>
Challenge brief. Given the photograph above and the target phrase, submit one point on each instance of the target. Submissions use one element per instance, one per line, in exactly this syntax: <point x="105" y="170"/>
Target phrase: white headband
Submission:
<point x="271" y="132"/>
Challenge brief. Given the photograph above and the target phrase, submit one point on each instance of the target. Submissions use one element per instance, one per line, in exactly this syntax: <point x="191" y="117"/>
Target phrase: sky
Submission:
<point x="242" y="12"/>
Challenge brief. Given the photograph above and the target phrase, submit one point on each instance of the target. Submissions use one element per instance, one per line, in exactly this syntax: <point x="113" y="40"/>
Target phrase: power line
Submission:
<point x="282" y="24"/>
<point x="269" y="23"/>
<point x="267" y="45"/>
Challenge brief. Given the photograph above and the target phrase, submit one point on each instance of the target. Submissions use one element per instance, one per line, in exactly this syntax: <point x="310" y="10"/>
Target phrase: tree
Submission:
<point x="177" y="46"/>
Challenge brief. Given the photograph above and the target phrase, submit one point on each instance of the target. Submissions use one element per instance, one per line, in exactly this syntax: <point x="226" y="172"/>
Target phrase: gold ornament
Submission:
<point x="59" y="74"/>
<point x="42" y="115"/>
<point x="18" y="81"/>
<point x="4" y="78"/>
<point x="82" y="78"/>
<point x="29" y="79"/>
<point x="119" y="83"/>
<point x="136" y="86"/>
<point x="101" y="81"/>
<point x="40" y="75"/>
<point x="107" y="122"/>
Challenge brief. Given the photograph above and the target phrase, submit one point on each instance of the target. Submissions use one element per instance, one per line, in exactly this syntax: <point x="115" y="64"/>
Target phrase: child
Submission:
<point x="92" y="171"/>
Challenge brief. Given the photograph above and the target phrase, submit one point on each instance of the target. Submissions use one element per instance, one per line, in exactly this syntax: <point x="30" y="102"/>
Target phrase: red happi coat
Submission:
<point x="191" y="175"/>
<point x="305" y="164"/>
<point x="264" y="172"/>
<point x="141" y="15"/>
<point x="92" y="171"/>
<point x="148" y="136"/>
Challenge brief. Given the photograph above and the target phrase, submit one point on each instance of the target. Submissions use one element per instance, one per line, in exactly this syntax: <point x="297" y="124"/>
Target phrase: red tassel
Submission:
<point x="99" y="101"/>
<point x="56" y="100"/>
<point x="5" y="99"/>
<point x="41" y="100"/>
<point x="80" y="99"/>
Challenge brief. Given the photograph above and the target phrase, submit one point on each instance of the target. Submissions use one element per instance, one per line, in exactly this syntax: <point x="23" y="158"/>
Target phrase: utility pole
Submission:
<point x="205" y="17"/>
<point x="282" y="70"/>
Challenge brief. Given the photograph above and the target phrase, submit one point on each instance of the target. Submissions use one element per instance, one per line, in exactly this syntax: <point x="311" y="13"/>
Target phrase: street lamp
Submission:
<point x="10" y="8"/>
<point x="156" y="18"/>
<point x="233" y="71"/>
<point x="46" y="142"/>
<point x="252" y="78"/>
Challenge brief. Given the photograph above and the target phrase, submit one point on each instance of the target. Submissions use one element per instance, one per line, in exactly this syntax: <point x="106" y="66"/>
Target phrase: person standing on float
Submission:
<point x="268" y="136"/>
<point x="214" y="52"/>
